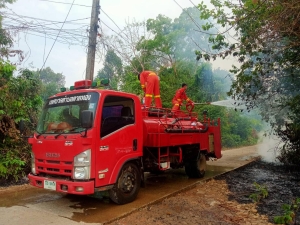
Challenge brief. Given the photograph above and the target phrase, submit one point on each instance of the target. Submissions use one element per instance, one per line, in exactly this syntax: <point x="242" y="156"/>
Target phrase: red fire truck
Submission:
<point x="90" y="140"/>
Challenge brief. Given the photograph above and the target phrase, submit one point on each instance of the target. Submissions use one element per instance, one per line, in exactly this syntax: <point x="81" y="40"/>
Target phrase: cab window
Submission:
<point x="117" y="113"/>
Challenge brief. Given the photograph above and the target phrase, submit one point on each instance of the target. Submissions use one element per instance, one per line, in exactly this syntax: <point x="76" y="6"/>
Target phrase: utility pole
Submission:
<point x="90" y="64"/>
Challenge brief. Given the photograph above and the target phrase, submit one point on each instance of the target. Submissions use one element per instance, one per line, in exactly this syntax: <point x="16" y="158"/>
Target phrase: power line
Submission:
<point x="110" y="19"/>
<point x="65" y="3"/>
<point x="211" y="22"/>
<point x="50" y="38"/>
<point x="193" y="20"/>
<point x="16" y="23"/>
<point x="35" y="18"/>
<point x="57" y="35"/>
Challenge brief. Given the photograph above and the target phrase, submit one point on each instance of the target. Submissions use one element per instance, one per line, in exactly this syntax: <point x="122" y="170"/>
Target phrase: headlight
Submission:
<point x="33" y="171"/>
<point x="83" y="159"/>
<point x="82" y="165"/>
<point x="80" y="172"/>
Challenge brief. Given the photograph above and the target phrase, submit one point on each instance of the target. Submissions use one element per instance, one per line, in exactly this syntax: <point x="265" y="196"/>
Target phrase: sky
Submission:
<point x="69" y="58"/>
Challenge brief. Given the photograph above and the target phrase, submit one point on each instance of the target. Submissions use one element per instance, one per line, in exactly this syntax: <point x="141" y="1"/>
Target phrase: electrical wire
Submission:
<point x="193" y="20"/>
<point x="57" y="35"/>
<point x="65" y="3"/>
<point x="75" y="35"/>
<point x="213" y="24"/>
<point x="110" y="19"/>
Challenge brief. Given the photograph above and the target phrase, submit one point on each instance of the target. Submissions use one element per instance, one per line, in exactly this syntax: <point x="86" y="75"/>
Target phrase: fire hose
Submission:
<point x="190" y="105"/>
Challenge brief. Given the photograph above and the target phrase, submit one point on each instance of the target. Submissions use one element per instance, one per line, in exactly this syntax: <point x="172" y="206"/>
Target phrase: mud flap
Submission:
<point x="143" y="184"/>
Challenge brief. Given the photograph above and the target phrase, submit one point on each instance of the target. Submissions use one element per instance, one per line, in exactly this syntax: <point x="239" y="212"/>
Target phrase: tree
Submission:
<point x="19" y="102"/>
<point x="173" y="40"/>
<point x="112" y="69"/>
<point x="51" y="82"/>
<point x="6" y="41"/>
<point x="267" y="46"/>
<point x="168" y="47"/>
<point x="125" y="44"/>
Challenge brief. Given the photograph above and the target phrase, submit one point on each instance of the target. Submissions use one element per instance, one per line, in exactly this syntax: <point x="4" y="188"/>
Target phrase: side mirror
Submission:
<point x="86" y="119"/>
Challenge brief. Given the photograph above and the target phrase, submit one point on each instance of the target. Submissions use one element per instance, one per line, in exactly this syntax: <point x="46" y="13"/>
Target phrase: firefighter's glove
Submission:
<point x="191" y="103"/>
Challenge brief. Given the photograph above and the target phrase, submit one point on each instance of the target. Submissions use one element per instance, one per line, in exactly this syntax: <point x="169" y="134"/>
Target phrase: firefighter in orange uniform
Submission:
<point x="150" y="84"/>
<point x="179" y="97"/>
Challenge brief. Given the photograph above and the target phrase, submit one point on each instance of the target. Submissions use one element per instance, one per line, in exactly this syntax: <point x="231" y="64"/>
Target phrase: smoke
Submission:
<point x="268" y="148"/>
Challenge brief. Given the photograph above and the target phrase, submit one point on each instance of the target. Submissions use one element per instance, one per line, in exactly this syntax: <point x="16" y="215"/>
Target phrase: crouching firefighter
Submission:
<point x="180" y="95"/>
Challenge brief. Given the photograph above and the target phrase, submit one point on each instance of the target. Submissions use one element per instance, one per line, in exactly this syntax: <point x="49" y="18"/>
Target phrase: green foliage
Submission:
<point x="112" y="70"/>
<point x="12" y="165"/>
<point x="4" y="2"/>
<point x="19" y="101"/>
<point x="289" y="216"/>
<point x="268" y="50"/>
<point x="261" y="192"/>
<point x="51" y="82"/>
<point x="6" y="41"/>
<point x="171" y="47"/>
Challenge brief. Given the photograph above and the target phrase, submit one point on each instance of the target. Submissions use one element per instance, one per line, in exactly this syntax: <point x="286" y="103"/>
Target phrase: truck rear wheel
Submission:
<point x="127" y="186"/>
<point x="196" y="169"/>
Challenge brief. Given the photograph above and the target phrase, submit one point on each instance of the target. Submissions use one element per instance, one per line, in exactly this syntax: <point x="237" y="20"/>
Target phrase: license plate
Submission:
<point x="51" y="185"/>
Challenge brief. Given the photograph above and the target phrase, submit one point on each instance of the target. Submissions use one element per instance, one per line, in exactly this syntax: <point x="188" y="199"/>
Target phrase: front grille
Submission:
<point x="52" y="161"/>
<point x="54" y="167"/>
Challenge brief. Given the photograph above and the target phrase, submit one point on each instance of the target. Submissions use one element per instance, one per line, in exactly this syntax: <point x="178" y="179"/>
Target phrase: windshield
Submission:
<point x="62" y="114"/>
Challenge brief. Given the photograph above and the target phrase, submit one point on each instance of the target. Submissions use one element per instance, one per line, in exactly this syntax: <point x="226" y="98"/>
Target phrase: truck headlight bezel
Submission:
<point x="33" y="170"/>
<point x="82" y="165"/>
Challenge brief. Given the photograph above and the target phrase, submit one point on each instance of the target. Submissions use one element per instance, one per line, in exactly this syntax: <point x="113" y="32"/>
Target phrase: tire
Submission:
<point x="127" y="187"/>
<point x="196" y="169"/>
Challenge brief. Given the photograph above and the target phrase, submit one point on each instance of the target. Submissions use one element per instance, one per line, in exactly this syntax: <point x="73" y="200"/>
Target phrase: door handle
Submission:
<point x="134" y="144"/>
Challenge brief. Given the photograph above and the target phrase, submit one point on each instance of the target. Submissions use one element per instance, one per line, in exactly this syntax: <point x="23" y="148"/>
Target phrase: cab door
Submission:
<point x="119" y="138"/>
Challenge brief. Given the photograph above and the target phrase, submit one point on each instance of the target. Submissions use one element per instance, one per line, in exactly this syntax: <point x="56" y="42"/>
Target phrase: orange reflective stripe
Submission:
<point x="177" y="104"/>
<point x="147" y="95"/>
<point x="156" y="96"/>
<point x="151" y="74"/>
<point x="178" y="99"/>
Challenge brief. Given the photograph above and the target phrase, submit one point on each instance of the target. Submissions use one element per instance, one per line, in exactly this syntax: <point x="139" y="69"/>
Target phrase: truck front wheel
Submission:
<point x="196" y="169"/>
<point x="127" y="186"/>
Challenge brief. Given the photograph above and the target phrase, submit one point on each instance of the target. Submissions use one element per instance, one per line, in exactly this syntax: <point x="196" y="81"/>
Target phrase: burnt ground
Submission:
<point x="225" y="199"/>
<point x="282" y="184"/>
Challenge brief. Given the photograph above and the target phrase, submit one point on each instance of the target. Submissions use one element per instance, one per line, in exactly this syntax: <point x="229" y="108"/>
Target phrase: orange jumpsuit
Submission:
<point x="150" y="84"/>
<point x="178" y="98"/>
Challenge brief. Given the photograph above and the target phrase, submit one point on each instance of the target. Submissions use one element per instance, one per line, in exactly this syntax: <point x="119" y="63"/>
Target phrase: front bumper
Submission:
<point x="71" y="187"/>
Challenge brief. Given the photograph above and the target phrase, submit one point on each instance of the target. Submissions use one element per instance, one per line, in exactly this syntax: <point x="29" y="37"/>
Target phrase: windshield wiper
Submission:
<point x="74" y="128"/>
<point x="39" y="134"/>
<point x="56" y="136"/>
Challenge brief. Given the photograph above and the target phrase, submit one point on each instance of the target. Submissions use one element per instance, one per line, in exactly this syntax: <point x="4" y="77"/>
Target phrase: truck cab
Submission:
<point x="89" y="140"/>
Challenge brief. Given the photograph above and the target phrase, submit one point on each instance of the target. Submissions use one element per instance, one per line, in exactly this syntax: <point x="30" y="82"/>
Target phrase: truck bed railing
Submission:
<point x="167" y="113"/>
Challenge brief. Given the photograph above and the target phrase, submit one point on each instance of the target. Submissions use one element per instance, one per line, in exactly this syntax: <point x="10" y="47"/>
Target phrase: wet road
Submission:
<point x="30" y="205"/>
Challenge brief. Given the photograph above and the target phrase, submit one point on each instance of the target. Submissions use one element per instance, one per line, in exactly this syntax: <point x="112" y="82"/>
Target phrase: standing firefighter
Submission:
<point x="179" y="97"/>
<point x="150" y="84"/>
